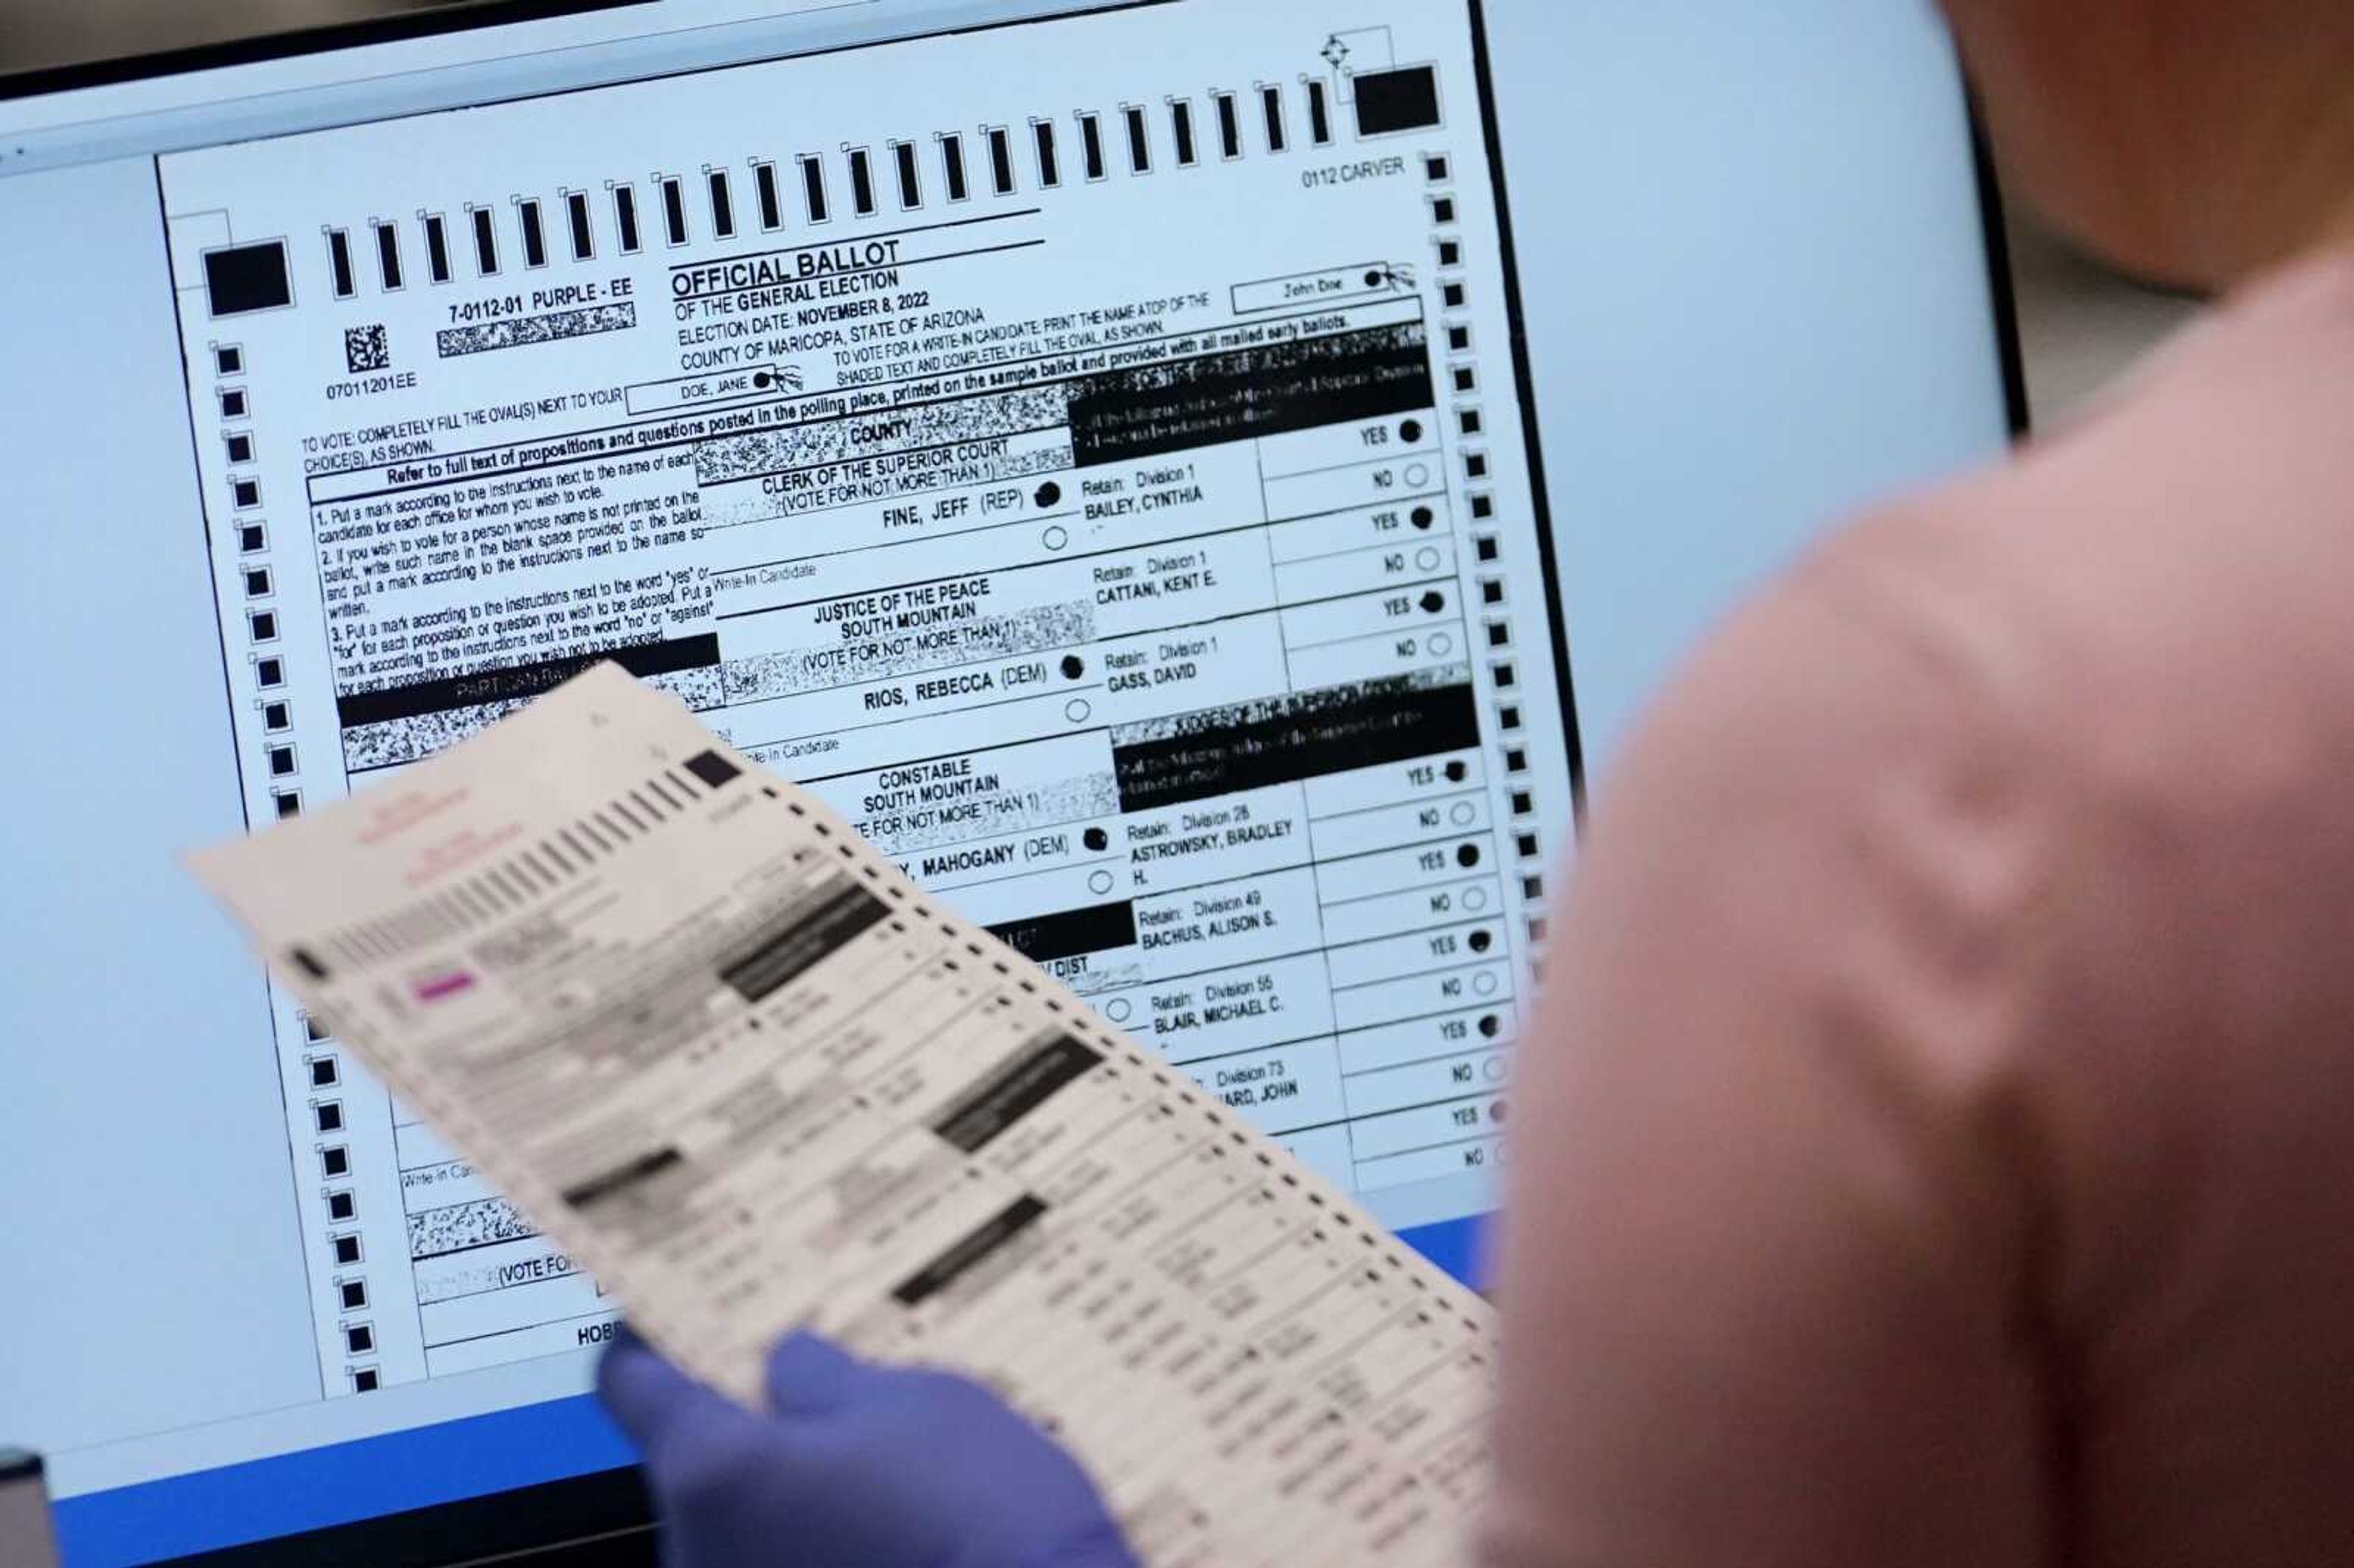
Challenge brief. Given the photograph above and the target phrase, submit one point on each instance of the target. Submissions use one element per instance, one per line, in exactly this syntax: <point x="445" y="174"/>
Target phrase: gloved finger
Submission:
<point x="651" y="1397"/>
<point x="813" y="1376"/>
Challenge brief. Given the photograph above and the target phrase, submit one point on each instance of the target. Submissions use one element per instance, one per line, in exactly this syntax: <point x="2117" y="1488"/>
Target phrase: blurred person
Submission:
<point x="1937" y="1149"/>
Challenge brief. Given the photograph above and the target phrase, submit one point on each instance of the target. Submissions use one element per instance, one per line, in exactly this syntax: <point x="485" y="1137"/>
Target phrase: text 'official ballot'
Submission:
<point x="755" y="1077"/>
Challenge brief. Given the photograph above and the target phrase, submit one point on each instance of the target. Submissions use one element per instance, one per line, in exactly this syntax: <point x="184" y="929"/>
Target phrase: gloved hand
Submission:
<point x="857" y="1466"/>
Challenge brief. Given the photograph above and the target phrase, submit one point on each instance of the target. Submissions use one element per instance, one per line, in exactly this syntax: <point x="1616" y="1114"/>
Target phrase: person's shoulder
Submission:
<point x="1858" y="726"/>
<point x="2139" y="617"/>
<point x="2154" y="597"/>
<point x="2143" y="612"/>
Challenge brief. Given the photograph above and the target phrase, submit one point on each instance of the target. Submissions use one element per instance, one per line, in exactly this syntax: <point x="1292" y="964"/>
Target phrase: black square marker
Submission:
<point x="1442" y="209"/>
<point x="535" y="227"/>
<point x="281" y="762"/>
<point x="1532" y="887"/>
<point x="289" y="802"/>
<point x="242" y="279"/>
<point x="316" y="1028"/>
<point x="387" y="255"/>
<point x="364" y="1380"/>
<point x="1469" y="421"/>
<point x="1516" y="760"/>
<point x="328" y="1117"/>
<point x="1500" y="635"/>
<point x="234" y="404"/>
<point x="351" y="1294"/>
<point x="1509" y="717"/>
<point x="1091" y="147"/>
<point x="240" y="446"/>
<point x="1491" y="592"/>
<point x="268" y="673"/>
<point x="342" y="1206"/>
<point x="1489" y="547"/>
<point x="711" y="768"/>
<point x="1451" y="253"/>
<point x="1523" y="803"/>
<point x="953" y="165"/>
<point x="1466" y="378"/>
<point x="863" y="200"/>
<point x="359" y="1338"/>
<point x="1483" y="506"/>
<point x="246" y="492"/>
<point x="486" y="239"/>
<point x="263" y="624"/>
<point x="1506" y="677"/>
<point x="1435" y="166"/>
<point x="347" y="1251"/>
<point x="1475" y="464"/>
<point x="257" y="581"/>
<point x="1528" y="846"/>
<point x="335" y="1161"/>
<point x="252" y="536"/>
<point x="325" y="1074"/>
<point x="228" y="359"/>
<point x="911" y="179"/>
<point x="1458" y="339"/>
<point x="1406" y="98"/>
<point x="276" y="716"/>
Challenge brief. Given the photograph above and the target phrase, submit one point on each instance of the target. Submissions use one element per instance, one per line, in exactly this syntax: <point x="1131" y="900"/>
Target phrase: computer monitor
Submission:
<point x="1197" y="482"/>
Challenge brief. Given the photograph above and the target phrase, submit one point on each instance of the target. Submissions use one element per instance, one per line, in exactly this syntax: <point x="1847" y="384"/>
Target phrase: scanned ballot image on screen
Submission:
<point x="756" y="1078"/>
<point x="1089" y="454"/>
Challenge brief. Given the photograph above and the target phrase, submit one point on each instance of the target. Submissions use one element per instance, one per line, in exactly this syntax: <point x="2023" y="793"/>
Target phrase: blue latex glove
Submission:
<point x="858" y="1466"/>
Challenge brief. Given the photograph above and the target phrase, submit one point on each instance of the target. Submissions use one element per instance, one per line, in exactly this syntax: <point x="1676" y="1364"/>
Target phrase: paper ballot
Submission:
<point x="754" y="1077"/>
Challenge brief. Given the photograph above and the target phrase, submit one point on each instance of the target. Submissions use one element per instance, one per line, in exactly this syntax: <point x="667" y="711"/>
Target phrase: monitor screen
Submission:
<point x="1196" y="481"/>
